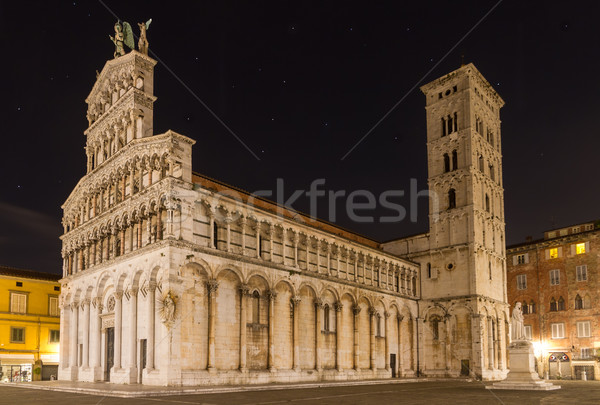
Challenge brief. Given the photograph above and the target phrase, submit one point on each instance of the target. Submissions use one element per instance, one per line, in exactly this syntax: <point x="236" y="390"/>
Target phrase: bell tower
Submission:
<point x="463" y="312"/>
<point x="466" y="212"/>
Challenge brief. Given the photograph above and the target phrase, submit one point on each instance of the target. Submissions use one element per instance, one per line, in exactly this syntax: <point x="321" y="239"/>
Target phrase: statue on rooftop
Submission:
<point x="143" y="41"/>
<point x="123" y="36"/>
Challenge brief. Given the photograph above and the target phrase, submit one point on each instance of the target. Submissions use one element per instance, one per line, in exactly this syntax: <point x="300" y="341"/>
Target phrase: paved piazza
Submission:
<point x="435" y="392"/>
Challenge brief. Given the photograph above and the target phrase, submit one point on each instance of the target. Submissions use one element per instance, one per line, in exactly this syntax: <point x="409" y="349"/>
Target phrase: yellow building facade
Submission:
<point x="29" y="325"/>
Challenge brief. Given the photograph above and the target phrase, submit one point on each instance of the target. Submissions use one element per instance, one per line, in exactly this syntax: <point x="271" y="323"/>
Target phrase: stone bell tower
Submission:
<point x="463" y="267"/>
<point x="120" y="106"/>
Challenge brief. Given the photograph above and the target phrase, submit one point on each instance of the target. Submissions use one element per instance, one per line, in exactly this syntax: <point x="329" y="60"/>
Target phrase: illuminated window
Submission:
<point x="580" y="248"/>
<point x="553" y="253"/>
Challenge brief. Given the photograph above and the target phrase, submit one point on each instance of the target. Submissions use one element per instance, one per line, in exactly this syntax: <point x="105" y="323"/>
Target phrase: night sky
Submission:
<point x="300" y="83"/>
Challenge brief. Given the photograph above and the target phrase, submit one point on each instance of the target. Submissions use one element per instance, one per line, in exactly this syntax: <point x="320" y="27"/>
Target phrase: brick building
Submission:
<point x="557" y="281"/>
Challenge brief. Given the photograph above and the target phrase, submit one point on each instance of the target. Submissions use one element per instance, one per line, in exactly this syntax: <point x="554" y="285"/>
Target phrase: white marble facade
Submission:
<point x="171" y="278"/>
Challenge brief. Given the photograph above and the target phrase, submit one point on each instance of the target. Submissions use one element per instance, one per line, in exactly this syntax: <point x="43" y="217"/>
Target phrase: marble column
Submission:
<point x="373" y="315"/>
<point x="244" y="291"/>
<point x="448" y="343"/>
<point x="243" y="226"/>
<point x="74" y="321"/>
<point x="85" y="306"/>
<point x="399" y="355"/>
<point x="212" y="286"/>
<point x="271" y="295"/>
<point x="386" y="331"/>
<point x="118" y="328"/>
<point x="97" y="340"/>
<point x="356" y="310"/>
<point x="490" y="343"/>
<point x="296" y="301"/>
<point x="338" y="335"/>
<point x="319" y="339"/>
<point x="133" y="328"/>
<point x="151" y="327"/>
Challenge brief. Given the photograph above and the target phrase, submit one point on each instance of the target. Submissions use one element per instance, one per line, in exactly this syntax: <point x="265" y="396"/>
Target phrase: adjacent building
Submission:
<point x="557" y="281"/>
<point x="173" y="278"/>
<point x="29" y="325"/>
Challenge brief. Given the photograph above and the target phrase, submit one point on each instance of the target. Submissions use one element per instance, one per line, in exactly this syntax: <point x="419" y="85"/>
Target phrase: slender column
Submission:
<point x="243" y="226"/>
<point x="355" y="275"/>
<point x="258" y="247"/>
<point x="448" y="344"/>
<point x="140" y="227"/>
<point x="151" y="327"/>
<point x="296" y="302"/>
<point x="501" y="345"/>
<point x="338" y="334"/>
<point x="131" y="180"/>
<point x="80" y="260"/>
<point x="373" y="314"/>
<point x="318" y="252"/>
<point x="97" y="333"/>
<point x="356" y="311"/>
<point x="413" y="347"/>
<point x="319" y="339"/>
<point x="118" y="328"/>
<point x="328" y="249"/>
<point x="105" y="247"/>
<point x="296" y="239"/>
<point x="244" y="291"/>
<point x="271" y="356"/>
<point x="386" y="331"/>
<point x="212" y="286"/>
<point x="74" y="334"/>
<point x="85" y="306"/>
<point x="399" y="355"/>
<point x="141" y="176"/>
<point x="149" y="228"/>
<point x="490" y="344"/>
<point x="228" y="222"/>
<point x="379" y="274"/>
<point x="122" y="250"/>
<point x="133" y="328"/>
<point x="271" y="234"/>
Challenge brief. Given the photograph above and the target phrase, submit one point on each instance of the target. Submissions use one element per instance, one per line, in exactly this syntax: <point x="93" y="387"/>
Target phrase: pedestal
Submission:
<point x="522" y="374"/>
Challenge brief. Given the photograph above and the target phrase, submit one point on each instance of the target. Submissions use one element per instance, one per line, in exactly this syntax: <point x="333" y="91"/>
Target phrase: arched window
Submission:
<point x="256" y="307"/>
<point x="454" y="160"/>
<point x="451" y="198"/>
<point x="435" y="328"/>
<point x="561" y="304"/>
<point x="487" y="203"/>
<point x="532" y="307"/>
<point x="587" y="302"/>
<point x="578" y="302"/>
<point x="481" y="163"/>
<point x="553" y="305"/>
<point x="326" y="317"/>
<point x="446" y="163"/>
<point x="492" y="173"/>
<point x="525" y="308"/>
<point x="455" y="122"/>
<point x="490" y="269"/>
<point x="397" y="282"/>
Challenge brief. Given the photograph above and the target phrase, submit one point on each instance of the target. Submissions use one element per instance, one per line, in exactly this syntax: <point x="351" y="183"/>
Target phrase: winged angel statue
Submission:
<point x="124" y="37"/>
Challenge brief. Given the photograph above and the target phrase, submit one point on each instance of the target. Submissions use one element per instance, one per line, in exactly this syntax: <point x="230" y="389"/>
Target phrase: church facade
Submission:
<point x="173" y="278"/>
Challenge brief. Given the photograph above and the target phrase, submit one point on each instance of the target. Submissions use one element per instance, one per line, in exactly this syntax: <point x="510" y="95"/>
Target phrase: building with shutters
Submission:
<point x="29" y="325"/>
<point x="557" y="281"/>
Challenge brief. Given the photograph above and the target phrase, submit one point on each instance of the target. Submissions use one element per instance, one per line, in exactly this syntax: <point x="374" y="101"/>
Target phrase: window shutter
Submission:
<point x="547" y="254"/>
<point x="573" y="250"/>
<point x="526" y="258"/>
<point x="587" y="247"/>
<point x="560" y="252"/>
<point x="515" y="258"/>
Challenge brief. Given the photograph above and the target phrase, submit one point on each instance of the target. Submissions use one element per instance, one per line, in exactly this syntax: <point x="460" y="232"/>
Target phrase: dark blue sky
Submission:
<point x="301" y="83"/>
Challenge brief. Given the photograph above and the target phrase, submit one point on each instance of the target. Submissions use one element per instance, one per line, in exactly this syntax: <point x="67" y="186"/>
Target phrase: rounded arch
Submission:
<point x="231" y="268"/>
<point x="329" y="290"/>
<point x="348" y="294"/>
<point x="104" y="280"/>
<point x="196" y="268"/>
<point x="287" y="283"/>
<point x="435" y="309"/>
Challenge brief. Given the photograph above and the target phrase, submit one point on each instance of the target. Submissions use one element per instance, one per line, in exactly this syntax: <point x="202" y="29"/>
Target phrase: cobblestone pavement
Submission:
<point x="428" y="393"/>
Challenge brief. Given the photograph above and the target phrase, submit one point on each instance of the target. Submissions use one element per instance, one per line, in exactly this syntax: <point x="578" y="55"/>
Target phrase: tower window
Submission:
<point x="581" y="273"/>
<point x="481" y="163"/>
<point x="525" y="308"/>
<point x="215" y="235"/>
<point x="444" y="133"/>
<point x="554" y="277"/>
<point x="451" y="198"/>
<point x="326" y="325"/>
<point x="454" y="160"/>
<point x="455" y="122"/>
<point x="487" y="203"/>
<point x="532" y="307"/>
<point x="492" y="172"/>
<point x="255" y="307"/>
<point x="428" y="270"/>
<point x="446" y="163"/>
<point x="435" y="328"/>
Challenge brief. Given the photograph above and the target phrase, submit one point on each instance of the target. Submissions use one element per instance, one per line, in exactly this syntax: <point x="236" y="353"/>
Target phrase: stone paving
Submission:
<point x="429" y="392"/>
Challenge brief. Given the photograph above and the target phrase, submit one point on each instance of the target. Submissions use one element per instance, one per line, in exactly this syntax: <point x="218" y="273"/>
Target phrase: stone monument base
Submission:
<point x="522" y="374"/>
